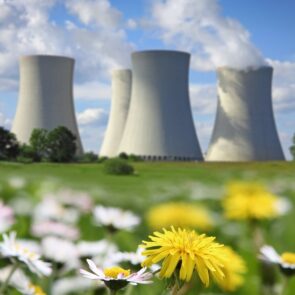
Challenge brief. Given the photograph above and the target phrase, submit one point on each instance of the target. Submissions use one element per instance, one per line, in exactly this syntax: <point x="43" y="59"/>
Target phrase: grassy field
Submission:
<point x="200" y="183"/>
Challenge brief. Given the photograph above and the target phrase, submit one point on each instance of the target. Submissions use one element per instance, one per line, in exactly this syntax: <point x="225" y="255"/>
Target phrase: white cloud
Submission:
<point x="93" y="116"/>
<point x="200" y="28"/>
<point x="99" y="44"/>
<point x="98" y="12"/>
<point x="92" y="90"/>
<point x="4" y="121"/>
<point x="203" y="98"/>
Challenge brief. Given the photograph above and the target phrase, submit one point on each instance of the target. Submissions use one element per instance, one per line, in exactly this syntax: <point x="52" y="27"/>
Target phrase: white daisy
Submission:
<point x="286" y="261"/>
<point x="22" y="206"/>
<point x="50" y="209"/>
<point x="115" y="218"/>
<point x="116" y="278"/>
<point x="10" y="248"/>
<point x="72" y="285"/>
<point x="75" y="199"/>
<point x="17" y="182"/>
<point x="89" y="249"/>
<point x="6" y="217"/>
<point x="52" y="228"/>
<point x="60" y="251"/>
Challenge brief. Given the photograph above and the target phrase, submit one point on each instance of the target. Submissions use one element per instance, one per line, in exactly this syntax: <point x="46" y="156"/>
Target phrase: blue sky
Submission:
<point x="114" y="28"/>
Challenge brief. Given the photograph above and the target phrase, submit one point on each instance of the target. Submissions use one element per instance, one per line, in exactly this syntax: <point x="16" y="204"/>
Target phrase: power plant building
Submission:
<point x="245" y="127"/>
<point x="160" y="124"/>
<point x="45" y="96"/>
<point x="121" y="93"/>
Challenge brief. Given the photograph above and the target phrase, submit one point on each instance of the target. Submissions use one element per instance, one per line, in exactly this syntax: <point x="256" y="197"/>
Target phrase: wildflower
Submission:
<point x="49" y="209"/>
<point x="6" y="217"/>
<point x="286" y="261"/>
<point x="185" y="251"/>
<point x="179" y="215"/>
<point x="20" y="282"/>
<point x="62" y="252"/>
<point x="115" y="218"/>
<point x="72" y="285"/>
<point x="10" y="248"/>
<point x="53" y="228"/>
<point x="234" y="268"/>
<point x="116" y="278"/>
<point x="250" y="201"/>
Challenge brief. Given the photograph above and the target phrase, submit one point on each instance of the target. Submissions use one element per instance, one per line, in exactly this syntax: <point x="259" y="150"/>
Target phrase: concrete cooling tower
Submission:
<point x="245" y="128"/>
<point x="121" y="93"/>
<point x="45" y="96"/>
<point x="160" y="124"/>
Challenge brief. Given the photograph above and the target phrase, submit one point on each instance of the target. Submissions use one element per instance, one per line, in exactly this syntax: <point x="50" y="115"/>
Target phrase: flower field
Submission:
<point x="172" y="228"/>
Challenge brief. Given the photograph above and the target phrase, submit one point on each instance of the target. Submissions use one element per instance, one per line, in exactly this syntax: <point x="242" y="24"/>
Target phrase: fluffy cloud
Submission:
<point x="5" y="122"/>
<point x="199" y="27"/>
<point x="92" y="91"/>
<point x="93" y="117"/>
<point x="97" y="37"/>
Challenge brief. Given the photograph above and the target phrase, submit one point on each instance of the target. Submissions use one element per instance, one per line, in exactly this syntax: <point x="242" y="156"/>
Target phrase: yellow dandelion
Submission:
<point x="185" y="251"/>
<point x="234" y="268"/>
<point x="180" y="214"/>
<point x="36" y="290"/>
<point x="247" y="200"/>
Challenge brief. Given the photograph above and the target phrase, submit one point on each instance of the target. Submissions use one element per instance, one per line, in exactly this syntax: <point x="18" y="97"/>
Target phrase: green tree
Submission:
<point x="61" y="145"/>
<point x="38" y="143"/>
<point x="9" y="146"/>
<point x="292" y="148"/>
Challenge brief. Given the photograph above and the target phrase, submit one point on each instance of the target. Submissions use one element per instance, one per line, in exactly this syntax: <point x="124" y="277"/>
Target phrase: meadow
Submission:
<point x="156" y="183"/>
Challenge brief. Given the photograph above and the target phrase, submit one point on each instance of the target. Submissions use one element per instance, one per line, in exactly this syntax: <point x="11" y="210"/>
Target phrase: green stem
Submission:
<point x="113" y="292"/>
<point x="285" y="286"/>
<point x="6" y="282"/>
<point x="128" y="290"/>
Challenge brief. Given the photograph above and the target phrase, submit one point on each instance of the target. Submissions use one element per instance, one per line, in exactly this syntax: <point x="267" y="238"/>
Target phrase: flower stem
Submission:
<point x="6" y="282"/>
<point x="113" y="292"/>
<point x="285" y="286"/>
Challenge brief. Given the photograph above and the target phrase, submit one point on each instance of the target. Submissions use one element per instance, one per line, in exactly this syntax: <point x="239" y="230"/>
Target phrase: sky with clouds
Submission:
<point x="101" y="34"/>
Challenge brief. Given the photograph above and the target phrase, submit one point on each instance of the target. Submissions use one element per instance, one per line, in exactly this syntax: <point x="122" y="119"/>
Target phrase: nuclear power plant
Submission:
<point x="160" y="124"/>
<point x="45" y="96"/>
<point x="121" y="93"/>
<point x="244" y="127"/>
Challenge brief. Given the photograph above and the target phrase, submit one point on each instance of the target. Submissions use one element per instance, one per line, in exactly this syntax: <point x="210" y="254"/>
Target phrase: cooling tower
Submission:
<point x="159" y="124"/>
<point x="45" y="96"/>
<point x="245" y="128"/>
<point x="121" y="92"/>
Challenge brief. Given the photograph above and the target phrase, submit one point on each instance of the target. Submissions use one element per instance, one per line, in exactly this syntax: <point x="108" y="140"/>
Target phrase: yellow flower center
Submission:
<point x="113" y="272"/>
<point x="25" y="251"/>
<point x="288" y="257"/>
<point x="37" y="290"/>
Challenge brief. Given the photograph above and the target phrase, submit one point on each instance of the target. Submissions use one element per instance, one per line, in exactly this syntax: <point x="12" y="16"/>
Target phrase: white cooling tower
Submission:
<point x="45" y="96"/>
<point x="160" y="123"/>
<point x="121" y="92"/>
<point x="244" y="126"/>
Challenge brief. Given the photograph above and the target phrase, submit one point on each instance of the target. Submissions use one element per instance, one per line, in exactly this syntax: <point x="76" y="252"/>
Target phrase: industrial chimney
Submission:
<point x="160" y="124"/>
<point x="121" y="93"/>
<point x="45" y="96"/>
<point x="244" y="126"/>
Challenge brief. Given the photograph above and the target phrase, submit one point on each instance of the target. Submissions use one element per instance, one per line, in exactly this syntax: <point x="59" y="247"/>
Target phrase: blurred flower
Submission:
<point x="60" y="251"/>
<point x="115" y="218"/>
<point x="52" y="228"/>
<point x="187" y="250"/>
<point x="116" y="278"/>
<point x="22" y="206"/>
<point x="30" y="245"/>
<point x="87" y="249"/>
<point x="6" y="217"/>
<point x="286" y="261"/>
<point x="234" y="268"/>
<point x="20" y="282"/>
<point x="71" y="198"/>
<point x="72" y="285"/>
<point x="247" y="200"/>
<point x="179" y="214"/>
<point x="134" y="258"/>
<point x="10" y="248"/>
<point x="51" y="209"/>
<point x="17" y="182"/>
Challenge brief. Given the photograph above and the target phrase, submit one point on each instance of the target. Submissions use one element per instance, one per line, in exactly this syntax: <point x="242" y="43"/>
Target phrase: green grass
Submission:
<point x="160" y="182"/>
